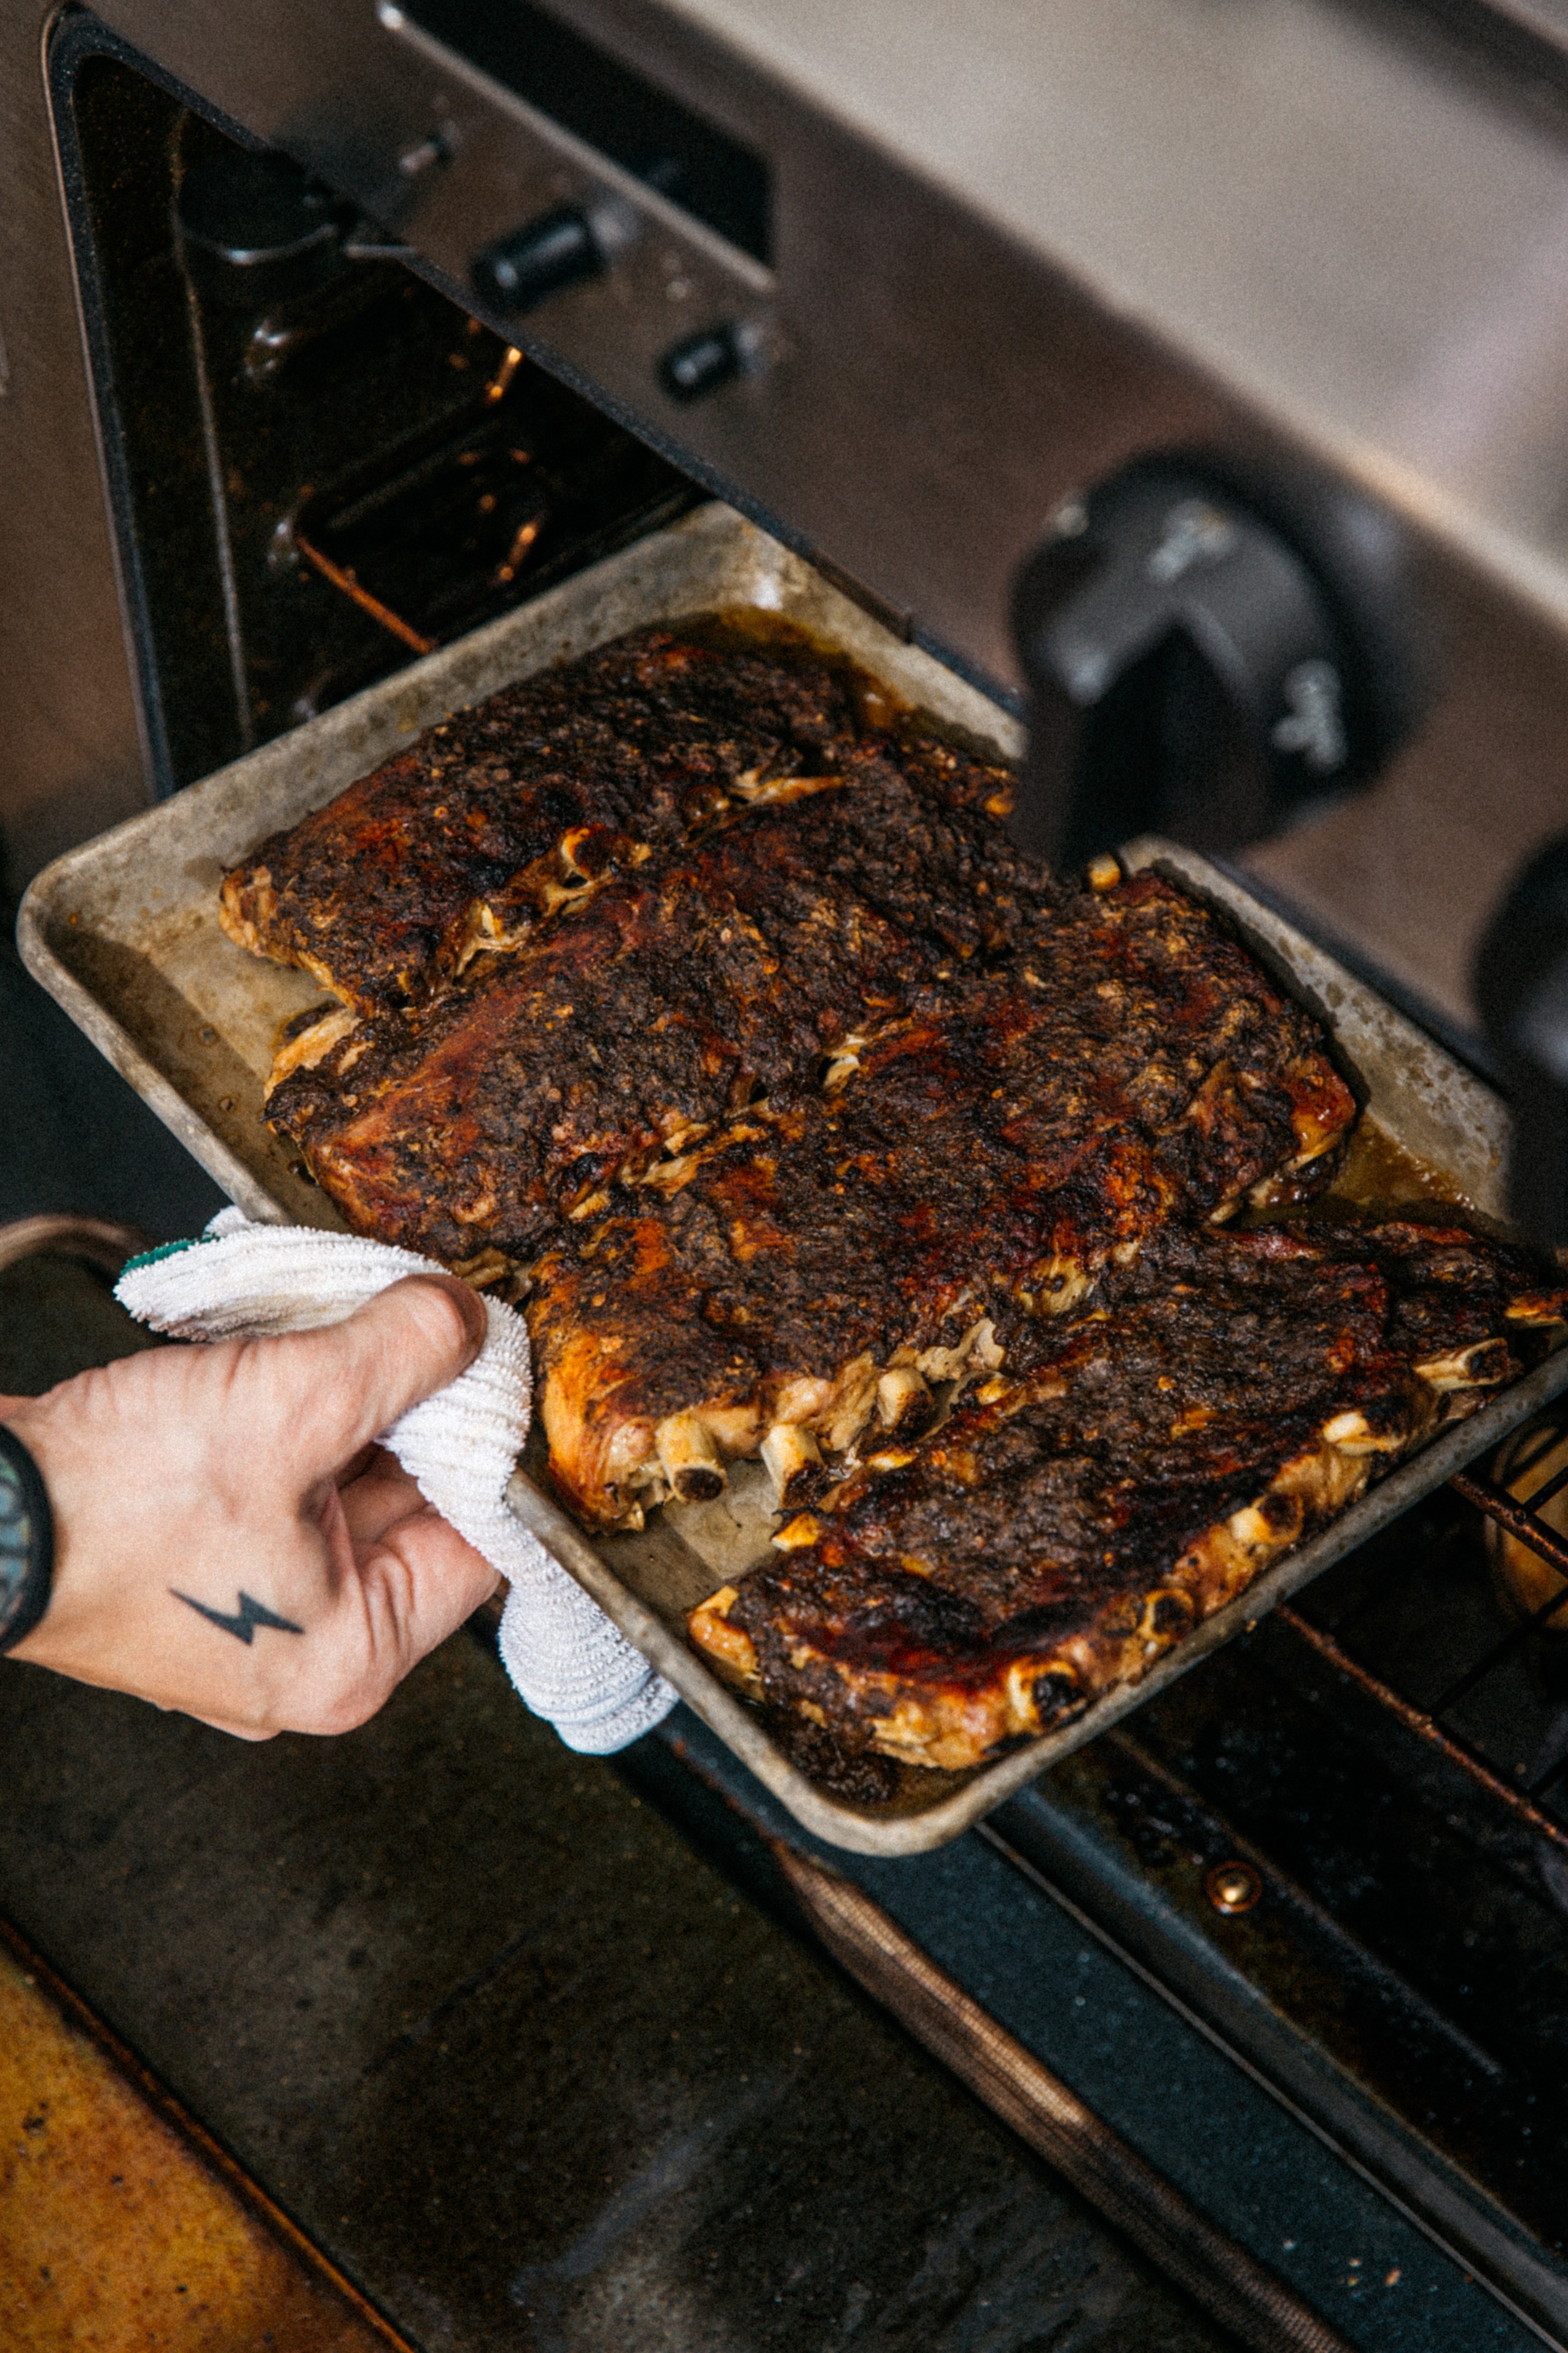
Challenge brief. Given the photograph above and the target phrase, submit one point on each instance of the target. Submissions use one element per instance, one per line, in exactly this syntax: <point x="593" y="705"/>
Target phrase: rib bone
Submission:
<point x="790" y="1455"/>
<point x="1479" y="1366"/>
<point x="689" y="1458"/>
<point x="905" y="1406"/>
<point x="1351" y="1433"/>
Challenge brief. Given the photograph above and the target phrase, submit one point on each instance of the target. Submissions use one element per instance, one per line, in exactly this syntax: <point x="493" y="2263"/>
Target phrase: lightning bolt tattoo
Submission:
<point x="243" y="1621"/>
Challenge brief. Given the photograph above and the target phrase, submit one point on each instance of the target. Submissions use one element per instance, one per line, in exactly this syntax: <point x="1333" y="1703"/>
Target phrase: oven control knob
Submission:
<point x="559" y="250"/>
<point x="1210" y="655"/>
<point x="699" y="365"/>
<point x="1521" y="988"/>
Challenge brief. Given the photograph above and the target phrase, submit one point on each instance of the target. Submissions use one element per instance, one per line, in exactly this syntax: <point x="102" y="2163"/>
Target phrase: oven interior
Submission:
<point x="318" y="468"/>
<point x="1342" y="1844"/>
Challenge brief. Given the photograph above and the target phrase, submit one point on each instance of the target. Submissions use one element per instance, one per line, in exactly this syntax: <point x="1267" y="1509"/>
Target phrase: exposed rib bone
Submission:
<point x="1169" y="1612"/>
<point x="725" y="1644"/>
<point x="485" y="1268"/>
<point x="1479" y="1366"/>
<point x="1267" y="1526"/>
<point x="854" y="1398"/>
<point x="905" y="1406"/>
<point x="789" y="1454"/>
<point x="689" y="1458"/>
<point x="978" y="1351"/>
<point x="1353" y="1433"/>
<point x="311" y="1044"/>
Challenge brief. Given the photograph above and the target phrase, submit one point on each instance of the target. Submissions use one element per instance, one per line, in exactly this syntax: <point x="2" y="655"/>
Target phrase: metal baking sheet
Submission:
<point x="124" y="933"/>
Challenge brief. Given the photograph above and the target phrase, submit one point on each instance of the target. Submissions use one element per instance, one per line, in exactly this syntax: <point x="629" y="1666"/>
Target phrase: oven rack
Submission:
<point x="1431" y="1721"/>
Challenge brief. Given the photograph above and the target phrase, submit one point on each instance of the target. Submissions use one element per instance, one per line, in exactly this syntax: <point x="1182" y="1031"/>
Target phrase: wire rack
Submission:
<point x="1515" y="1513"/>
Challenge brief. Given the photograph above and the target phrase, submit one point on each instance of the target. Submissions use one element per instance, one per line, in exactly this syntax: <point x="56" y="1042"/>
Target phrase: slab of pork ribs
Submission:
<point x="782" y="1126"/>
<point x="815" y="1269"/>
<point x="488" y="820"/>
<point x="655" y="1006"/>
<point x="1124" y="1475"/>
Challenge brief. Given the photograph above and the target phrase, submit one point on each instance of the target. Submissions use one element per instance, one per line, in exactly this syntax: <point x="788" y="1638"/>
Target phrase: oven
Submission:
<point x="331" y="334"/>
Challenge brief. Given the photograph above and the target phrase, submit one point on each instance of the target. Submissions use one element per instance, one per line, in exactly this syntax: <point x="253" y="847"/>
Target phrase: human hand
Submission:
<point x="227" y="1540"/>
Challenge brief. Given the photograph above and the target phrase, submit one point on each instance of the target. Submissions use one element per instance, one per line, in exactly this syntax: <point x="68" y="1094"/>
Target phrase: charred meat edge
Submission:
<point x="955" y="1724"/>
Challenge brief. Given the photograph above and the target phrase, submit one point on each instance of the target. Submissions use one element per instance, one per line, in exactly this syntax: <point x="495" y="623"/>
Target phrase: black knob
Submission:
<point x="255" y="229"/>
<point x="1208" y="656"/>
<point x="702" y="363"/>
<point x="1521" y="988"/>
<point x="559" y="250"/>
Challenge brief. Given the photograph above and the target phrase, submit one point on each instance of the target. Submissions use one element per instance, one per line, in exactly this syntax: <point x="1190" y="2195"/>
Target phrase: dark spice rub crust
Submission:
<point x="806" y="1273"/>
<point x="653" y="1009"/>
<point x="803" y="1114"/>
<point x="1128" y="1473"/>
<point x="519" y="800"/>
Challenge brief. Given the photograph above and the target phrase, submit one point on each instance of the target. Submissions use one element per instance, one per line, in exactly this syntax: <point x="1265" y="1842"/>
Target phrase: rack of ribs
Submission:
<point x="810" y="1277"/>
<point x="1129" y="1472"/>
<point x="737" y="1104"/>
<point x="647" y="1014"/>
<point x="490" y="819"/>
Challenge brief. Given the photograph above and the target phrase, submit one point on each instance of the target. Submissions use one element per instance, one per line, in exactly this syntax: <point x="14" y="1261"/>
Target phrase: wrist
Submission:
<point x="26" y="1542"/>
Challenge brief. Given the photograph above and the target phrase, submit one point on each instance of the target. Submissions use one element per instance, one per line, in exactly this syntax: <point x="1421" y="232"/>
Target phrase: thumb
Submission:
<point x="343" y="1386"/>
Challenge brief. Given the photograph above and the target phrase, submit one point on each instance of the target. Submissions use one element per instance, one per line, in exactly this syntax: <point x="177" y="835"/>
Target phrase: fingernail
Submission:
<point x="468" y="1303"/>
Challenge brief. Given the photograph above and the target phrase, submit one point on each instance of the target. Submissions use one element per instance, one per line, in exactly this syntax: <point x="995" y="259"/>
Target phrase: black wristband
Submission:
<point x="26" y="1542"/>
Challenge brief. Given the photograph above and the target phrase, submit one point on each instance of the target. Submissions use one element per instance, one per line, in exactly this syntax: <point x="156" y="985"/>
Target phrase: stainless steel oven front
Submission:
<point x="911" y="286"/>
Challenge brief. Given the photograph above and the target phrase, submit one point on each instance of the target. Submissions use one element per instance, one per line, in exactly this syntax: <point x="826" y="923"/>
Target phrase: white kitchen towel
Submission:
<point x="242" y="1280"/>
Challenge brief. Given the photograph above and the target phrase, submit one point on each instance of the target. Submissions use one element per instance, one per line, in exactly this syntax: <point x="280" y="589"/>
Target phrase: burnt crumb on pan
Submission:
<point x="844" y="1768"/>
<point x="701" y="1001"/>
